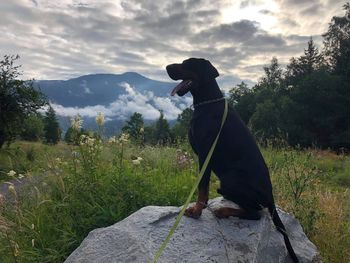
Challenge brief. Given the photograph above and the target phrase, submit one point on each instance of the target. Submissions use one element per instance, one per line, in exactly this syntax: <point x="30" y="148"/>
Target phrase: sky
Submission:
<point x="69" y="38"/>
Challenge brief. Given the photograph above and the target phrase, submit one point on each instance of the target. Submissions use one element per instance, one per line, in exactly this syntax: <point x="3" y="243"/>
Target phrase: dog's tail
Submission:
<point x="280" y="227"/>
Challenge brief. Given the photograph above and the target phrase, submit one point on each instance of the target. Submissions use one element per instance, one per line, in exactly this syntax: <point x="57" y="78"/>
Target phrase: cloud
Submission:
<point x="69" y="38"/>
<point x="126" y="104"/>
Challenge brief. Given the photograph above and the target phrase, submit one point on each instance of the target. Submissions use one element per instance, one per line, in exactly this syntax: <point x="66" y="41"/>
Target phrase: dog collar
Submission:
<point x="208" y="102"/>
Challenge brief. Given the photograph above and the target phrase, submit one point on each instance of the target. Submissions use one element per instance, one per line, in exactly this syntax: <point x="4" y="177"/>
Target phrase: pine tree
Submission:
<point x="135" y="127"/>
<point x="162" y="130"/>
<point x="52" y="128"/>
<point x="337" y="43"/>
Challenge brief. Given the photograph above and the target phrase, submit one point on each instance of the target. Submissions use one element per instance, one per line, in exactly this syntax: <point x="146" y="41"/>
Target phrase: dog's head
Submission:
<point x="194" y="72"/>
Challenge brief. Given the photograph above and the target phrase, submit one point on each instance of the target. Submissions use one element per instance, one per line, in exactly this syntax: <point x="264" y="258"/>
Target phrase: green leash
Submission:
<point x="204" y="167"/>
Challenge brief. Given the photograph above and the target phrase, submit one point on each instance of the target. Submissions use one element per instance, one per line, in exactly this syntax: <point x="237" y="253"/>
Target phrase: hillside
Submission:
<point x="99" y="89"/>
<point x="116" y="95"/>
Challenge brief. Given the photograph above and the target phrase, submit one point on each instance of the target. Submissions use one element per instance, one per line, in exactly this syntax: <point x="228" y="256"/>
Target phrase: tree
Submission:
<point x="265" y="120"/>
<point x="149" y="134"/>
<point x="273" y="76"/>
<point x="135" y="127"/>
<point x="18" y="99"/>
<point x="243" y="99"/>
<point x="33" y="127"/>
<point x="72" y="135"/>
<point x="323" y="100"/>
<point x="236" y="93"/>
<point x="337" y="43"/>
<point x="52" y="128"/>
<point x="308" y="105"/>
<point x="300" y="67"/>
<point x="162" y="130"/>
<point x="180" y="129"/>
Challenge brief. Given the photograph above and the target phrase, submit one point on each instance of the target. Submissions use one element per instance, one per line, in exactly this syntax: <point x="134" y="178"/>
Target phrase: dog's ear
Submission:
<point x="201" y="67"/>
<point x="210" y="71"/>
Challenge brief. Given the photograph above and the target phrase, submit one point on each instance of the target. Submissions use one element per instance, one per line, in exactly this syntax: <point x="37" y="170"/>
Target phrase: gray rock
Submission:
<point x="207" y="239"/>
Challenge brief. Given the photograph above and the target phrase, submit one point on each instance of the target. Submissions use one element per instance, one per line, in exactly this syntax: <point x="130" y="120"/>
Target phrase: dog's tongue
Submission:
<point x="182" y="85"/>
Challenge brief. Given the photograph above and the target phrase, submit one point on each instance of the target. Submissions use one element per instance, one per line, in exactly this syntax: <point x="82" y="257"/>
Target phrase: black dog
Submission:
<point x="236" y="161"/>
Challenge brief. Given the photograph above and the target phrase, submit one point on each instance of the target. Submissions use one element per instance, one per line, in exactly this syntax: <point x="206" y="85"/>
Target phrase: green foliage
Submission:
<point x="59" y="214"/>
<point x="308" y="104"/>
<point x="52" y="128"/>
<point x="18" y="99"/>
<point x="96" y="184"/>
<point x="135" y="128"/>
<point x="337" y="43"/>
<point x="33" y="128"/>
<point x="160" y="132"/>
<point x="180" y="129"/>
<point x="71" y="136"/>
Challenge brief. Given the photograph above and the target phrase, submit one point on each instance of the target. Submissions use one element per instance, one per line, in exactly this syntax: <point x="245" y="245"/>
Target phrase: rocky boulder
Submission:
<point x="208" y="239"/>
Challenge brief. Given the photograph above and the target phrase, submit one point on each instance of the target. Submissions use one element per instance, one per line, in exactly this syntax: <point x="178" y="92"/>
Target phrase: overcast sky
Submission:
<point x="69" y="38"/>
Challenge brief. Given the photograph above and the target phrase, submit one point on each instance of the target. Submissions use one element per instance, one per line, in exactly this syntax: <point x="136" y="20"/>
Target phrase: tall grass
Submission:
<point x="97" y="184"/>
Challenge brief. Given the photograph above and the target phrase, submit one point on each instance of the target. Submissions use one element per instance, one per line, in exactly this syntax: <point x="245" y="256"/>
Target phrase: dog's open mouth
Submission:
<point x="182" y="88"/>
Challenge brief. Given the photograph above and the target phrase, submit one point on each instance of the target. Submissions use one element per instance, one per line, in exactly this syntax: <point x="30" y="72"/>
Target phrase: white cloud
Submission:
<point x="70" y="38"/>
<point x="126" y="104"/>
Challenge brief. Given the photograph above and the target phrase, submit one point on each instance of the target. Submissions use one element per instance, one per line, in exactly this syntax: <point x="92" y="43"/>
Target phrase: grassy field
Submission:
<point x="77" y="189"/>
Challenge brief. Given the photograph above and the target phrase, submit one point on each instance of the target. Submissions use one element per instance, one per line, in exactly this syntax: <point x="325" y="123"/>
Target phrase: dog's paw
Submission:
<point x="225" y="212"/>
<point x="194" y="212"/>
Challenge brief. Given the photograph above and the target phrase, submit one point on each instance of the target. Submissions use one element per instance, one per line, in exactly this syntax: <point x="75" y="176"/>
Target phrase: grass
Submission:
<point x="97" y="184"/>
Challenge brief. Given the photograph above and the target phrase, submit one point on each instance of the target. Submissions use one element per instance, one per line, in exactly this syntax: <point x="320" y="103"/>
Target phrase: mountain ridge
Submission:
<point x="99" y="88"/>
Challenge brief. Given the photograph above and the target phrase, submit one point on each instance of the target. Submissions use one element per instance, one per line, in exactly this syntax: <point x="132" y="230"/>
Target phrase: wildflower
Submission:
<point x="32" y="226"/>
<point x="16" y="250"/>
<point x="100" y="119"/>
<point x="12" y="189"/>
<point x="11" y="173"/>
<point x="20" y="176"/>
<point x="137" y="161"/>
<point x="124" y="137"/>
<point x="76" y="122"/>
<point x="182" y="159"/>
<point x="112" y="140"/>
<point x="142" y="130"/>
<point x="90" y="141"/>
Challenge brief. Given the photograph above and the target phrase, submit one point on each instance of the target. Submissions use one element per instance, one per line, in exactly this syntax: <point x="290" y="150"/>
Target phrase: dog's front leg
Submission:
<point x="203" y="194"/>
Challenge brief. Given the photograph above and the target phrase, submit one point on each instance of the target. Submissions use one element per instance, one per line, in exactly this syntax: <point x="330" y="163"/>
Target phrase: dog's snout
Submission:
<point x="174" y="71"/>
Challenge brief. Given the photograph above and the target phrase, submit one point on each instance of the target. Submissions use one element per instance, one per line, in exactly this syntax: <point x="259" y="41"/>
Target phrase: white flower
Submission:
<point x="137" y="161"/>
<point x="76" y="122"/>
<point x="112" y="140"/>
<point x="12" y="189"/>
<point x="100" y="119"/>
<point x="142" y="130"/>
<point x="32" y="226"/>
<point x="124" y="137"/>
<point x="20" y="176"/>
<point x="33" y="242"/>
<point x="90" y="141"/>
<point x="11" y="173"/>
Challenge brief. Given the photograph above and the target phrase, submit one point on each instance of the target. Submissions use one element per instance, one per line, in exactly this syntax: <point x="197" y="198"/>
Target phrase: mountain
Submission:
<point x="116" y="95"/>
<point x="99" y="89"/>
